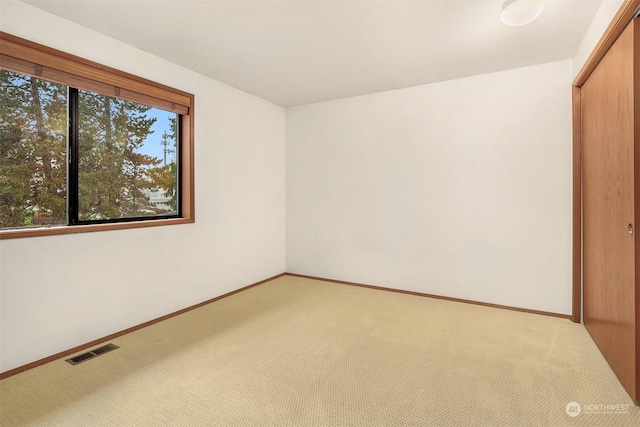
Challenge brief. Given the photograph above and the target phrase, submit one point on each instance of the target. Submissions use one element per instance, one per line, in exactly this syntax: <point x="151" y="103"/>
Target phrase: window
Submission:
<point x="120" y="170"/>
<point x="84" y="147"/>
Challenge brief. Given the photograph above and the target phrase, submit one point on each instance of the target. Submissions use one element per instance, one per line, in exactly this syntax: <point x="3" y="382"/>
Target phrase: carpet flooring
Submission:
<point x="302" y="352"/>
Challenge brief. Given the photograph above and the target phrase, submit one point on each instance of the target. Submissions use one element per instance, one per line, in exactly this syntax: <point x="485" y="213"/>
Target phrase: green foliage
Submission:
<point x="32" y="150"/>
<point x="112" y="172"/>
<point x="165" y="178"/>
<point x="115" y="176"/>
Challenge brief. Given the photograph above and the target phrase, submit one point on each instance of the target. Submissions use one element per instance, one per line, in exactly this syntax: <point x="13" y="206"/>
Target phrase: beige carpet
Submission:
<point x="299" y="352"/>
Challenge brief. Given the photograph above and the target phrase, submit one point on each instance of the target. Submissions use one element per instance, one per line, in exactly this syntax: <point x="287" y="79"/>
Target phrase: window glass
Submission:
<point x="33" y="151"/>
<point x="82" y="144"/>
<point x="127" y="166"/>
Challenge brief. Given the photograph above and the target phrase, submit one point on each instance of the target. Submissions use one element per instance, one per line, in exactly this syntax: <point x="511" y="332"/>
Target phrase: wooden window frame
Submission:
<point x="33" y="59"/>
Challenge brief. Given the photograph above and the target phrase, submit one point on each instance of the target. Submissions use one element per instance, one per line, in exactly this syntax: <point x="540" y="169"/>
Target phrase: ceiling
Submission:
<point x="300" y="52"/>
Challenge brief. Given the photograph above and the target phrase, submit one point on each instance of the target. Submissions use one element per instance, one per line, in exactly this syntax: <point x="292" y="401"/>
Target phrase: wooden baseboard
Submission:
<point x="126" y="331"/>
<point x="184" y="310"/>
<point x="421" y="294"/>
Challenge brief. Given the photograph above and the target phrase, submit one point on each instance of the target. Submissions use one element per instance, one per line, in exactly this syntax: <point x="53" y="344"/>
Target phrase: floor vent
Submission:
<point x="92" y="354"/>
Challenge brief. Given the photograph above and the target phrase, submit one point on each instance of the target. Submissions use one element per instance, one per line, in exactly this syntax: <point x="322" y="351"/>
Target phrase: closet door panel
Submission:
<point x="607" y="104"/>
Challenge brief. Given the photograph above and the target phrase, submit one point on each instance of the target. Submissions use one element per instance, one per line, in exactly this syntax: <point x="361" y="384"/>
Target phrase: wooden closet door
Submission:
<point x="607" y="105"/>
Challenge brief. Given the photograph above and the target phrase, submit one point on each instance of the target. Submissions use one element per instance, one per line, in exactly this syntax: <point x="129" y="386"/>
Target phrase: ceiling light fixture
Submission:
<point x="520" y="12"/>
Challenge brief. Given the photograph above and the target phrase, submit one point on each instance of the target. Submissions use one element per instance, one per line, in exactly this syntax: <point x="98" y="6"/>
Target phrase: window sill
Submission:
<point x="59" y="230"/>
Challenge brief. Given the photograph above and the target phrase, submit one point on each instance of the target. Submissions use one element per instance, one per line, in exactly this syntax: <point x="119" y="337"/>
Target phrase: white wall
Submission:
<point x="62" y="291"/>
<point x="460" y="188"/>
<point x="600" y="22"/>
